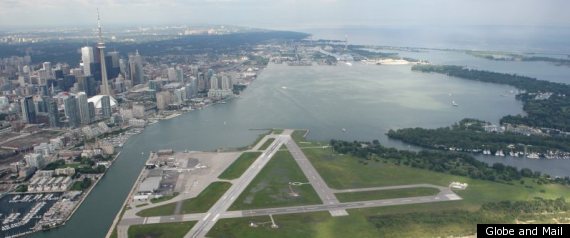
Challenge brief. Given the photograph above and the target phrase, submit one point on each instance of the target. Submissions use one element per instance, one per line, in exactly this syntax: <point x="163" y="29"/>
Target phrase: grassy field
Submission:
<point x="162" y="210"/>
<point x="206" y="199"/>
<point x="344" y="171"/>
<point x="440" y="219"/>
<point x="277" y="131"/>
<point x="267" y="144"/>
<point x="161" y="230"/>
<point x="271" y="186"/>
<point x="200" y="203"/>
<point x="386" y="194"/>
<point x="298" y="136"/>
<point x="239" y="166"/>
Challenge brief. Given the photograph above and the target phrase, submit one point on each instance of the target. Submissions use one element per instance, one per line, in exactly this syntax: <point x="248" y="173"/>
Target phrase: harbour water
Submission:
<point x="366" y="100"/>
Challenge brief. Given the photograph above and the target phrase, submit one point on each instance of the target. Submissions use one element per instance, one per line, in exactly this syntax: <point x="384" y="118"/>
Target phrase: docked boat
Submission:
<point x="533" y="156"/>
<point x="499" y="153"/>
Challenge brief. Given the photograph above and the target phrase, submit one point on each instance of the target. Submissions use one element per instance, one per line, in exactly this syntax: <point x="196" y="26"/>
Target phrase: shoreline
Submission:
<point x="72" y="213"/>
<point x="123" y="206"/>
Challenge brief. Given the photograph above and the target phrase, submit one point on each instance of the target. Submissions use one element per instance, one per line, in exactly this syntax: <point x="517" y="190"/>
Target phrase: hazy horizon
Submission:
<point x="286" y="14"/>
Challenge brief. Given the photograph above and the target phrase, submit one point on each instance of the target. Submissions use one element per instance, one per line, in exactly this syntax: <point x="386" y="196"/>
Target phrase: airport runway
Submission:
<point x="354" y="190"/>
<point x="444" y="195"/>
<point x="207" y="222"/>
<point x="350" y="205"/>
<point x="325" y="193"/>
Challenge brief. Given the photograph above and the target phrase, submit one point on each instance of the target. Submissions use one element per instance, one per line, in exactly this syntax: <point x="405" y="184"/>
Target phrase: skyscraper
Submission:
<point x="172" y="74"/>
<point x="48" y="69"/>
<point x="87" y="58"/>
<point x="53" y="113"/>
<point x="114" y="58"/>
<point x="91" y="107"/>
<point x="179" y="75"/>
<point x="105" y="90"/>
<point x="214" y="82"/>
<point x="40" y="104"/>
<point x="83" y="106"/>
<point x="124" y="67"/>
<point x="28" y="110"/>
<point x="106" y="106"/>
<point x="136" y="68"/>
<point x="70" y="104"/>
<point x="113" y="64"/>
<point x="226" y="83"/>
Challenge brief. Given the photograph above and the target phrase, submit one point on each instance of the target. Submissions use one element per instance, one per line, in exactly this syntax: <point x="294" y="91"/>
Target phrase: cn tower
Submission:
<point x="101" y="46"/>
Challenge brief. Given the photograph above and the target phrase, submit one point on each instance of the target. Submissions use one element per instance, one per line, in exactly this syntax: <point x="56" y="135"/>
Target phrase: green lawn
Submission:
<point x="200" y="203"/>
<point x="270" y="188"/>
<point x="240" y="165"/>
<point x="267" y="144"/>
<point x="277" y="131"/>
<point x="386" y="194"/>
<point x="161" y="230"/>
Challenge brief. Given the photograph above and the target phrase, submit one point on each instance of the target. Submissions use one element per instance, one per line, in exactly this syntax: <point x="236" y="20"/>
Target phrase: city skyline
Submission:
<point x="288" y="14"/>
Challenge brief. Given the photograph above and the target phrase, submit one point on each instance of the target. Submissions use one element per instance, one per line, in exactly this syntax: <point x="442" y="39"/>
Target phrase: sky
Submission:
<point x="286" y="14"/>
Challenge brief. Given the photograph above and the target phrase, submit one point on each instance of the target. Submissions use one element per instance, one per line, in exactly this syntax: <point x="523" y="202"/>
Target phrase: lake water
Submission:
<point x="536" y="39"/>
<point x="366" y="100"/>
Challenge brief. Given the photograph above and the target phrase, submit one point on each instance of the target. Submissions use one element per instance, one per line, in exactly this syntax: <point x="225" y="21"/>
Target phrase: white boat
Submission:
<point x="343" y="129"/>
<point x="533" y="156"/>
<point x="454" y="103"/>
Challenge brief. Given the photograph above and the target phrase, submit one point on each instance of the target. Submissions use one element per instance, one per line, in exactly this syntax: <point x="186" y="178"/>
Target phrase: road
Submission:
<point x="315" y="179"/>
<point x="207" y="222"/>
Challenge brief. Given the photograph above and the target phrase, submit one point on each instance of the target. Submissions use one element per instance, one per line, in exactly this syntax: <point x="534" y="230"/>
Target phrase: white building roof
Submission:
<point x="97" y="101"/>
